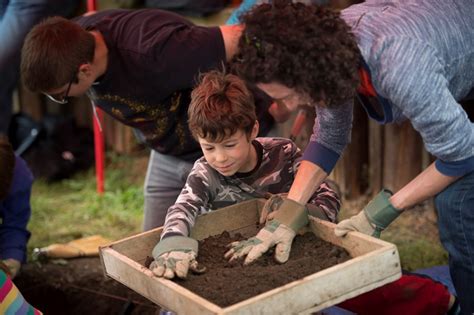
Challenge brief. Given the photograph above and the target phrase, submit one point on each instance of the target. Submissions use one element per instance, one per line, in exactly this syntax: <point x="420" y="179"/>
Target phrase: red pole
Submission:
<point x="99" y="147"/>
<point x="91" y="5"/>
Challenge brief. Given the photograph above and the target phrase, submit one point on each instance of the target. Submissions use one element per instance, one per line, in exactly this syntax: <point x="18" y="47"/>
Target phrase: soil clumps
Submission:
<point x="227" y="283"/>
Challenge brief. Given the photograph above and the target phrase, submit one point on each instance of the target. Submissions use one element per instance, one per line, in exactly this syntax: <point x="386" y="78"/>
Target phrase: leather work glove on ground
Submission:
<point x="13" y="266"/>
<point x="174" y="256"/>
<point x="279" y="231"/>
<point x="373" y="219"/>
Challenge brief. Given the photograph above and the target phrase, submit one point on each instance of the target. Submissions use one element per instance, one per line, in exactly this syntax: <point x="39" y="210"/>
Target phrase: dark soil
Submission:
<point x="78" y="286"/>
<point x="225" y="284"/>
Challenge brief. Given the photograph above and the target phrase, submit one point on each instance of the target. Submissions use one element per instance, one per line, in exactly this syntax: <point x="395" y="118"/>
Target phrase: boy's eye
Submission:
<point x="231" y="145"/>
<point x="208" y="149"/>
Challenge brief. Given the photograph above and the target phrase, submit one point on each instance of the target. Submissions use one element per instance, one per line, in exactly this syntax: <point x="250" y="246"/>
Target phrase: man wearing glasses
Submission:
<point x="17" y="17"/>
<point x="139" y="67"/>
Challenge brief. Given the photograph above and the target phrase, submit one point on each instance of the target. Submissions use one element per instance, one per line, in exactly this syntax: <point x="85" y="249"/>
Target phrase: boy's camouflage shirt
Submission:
<point x="206" y="189"/>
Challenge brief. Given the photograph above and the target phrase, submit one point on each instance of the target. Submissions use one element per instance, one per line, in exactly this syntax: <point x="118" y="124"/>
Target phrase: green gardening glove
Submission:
<point x="280" y="231"/>
<point x="271" y="205"/>
<point x="174" y="256"/>
<point x="373" y="219"/>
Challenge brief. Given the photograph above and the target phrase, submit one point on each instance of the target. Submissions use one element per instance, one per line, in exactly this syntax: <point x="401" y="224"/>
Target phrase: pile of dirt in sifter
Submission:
<point x="227" y="283"/>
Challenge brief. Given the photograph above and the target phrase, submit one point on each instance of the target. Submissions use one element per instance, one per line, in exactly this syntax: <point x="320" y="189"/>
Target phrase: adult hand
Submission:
<point x="174" y="256"/>
<point x="289" y="217"/>
<point x="13" y="266"/>
<point x="373" y="219"/>
<point x="272" y="204"/>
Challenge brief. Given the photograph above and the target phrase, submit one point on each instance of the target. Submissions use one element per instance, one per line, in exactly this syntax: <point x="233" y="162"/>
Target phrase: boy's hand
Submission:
<point x="13" y="266"/>
<point x="288" y="217"/>
<point x="373" y="219"/>
<point x="174" y="256"/>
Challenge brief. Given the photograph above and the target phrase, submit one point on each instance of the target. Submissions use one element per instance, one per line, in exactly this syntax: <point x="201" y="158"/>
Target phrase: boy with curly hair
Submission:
<point x="236" y="166"/>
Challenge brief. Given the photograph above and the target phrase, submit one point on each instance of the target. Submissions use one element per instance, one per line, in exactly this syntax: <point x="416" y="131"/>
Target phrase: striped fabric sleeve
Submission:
<point x="11" y="300"/>
<point x="331" y="134"/>
<point x="425" y="99"/>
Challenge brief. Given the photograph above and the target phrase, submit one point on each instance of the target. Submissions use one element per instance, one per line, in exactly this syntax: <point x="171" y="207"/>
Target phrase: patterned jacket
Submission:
<point x="206" y="189"/>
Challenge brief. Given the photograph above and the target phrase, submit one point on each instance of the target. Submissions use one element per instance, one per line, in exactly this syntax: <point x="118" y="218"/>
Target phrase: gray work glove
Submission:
<point x="272" y="204"/>
<point x="13" y="266"/>
<point x="174" y="256"/>
<point x="280" y="231"/>
<point x="373" y="219"/>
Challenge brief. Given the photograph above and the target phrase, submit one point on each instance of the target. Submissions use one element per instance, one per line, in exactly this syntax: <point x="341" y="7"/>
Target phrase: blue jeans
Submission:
<point x="17" y="17"/>
<point x="455" y="207"/>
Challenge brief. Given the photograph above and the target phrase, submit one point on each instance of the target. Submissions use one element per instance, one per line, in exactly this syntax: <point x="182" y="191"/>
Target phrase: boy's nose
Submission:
<point x="221" y="157"/>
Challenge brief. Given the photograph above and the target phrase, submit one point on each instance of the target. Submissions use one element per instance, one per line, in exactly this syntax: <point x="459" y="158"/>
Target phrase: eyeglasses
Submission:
<point x="63" y="100"/>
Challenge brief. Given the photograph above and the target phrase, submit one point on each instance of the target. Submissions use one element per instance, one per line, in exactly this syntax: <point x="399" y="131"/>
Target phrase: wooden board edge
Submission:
<point x="126" y="239"/>
<point x="350" y="295"/>
<point x="124" y="269"/>
<point x="385" y="259"/>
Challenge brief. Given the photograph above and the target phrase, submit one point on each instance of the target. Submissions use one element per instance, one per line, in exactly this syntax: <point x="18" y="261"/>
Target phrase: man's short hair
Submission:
<point x="52" y="53"/>
<point x="7" y="164"/>
<point x="221" y="104"/>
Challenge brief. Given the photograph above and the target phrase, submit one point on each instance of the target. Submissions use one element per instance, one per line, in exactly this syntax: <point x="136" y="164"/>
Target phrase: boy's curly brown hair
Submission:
<point x="304" y="47"/>
<point x="221" y="105"/>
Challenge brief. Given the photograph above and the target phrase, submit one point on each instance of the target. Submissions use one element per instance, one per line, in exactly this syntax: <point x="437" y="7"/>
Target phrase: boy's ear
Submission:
<point x="255" y="130"/>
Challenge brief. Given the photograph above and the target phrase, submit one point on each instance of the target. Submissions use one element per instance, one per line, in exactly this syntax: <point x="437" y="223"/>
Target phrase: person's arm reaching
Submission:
<point x="442" y="123"/>
<point x="426" y="185"/>
<point x="307" y="180"/>
<point x="385" y="208"/>
<point x="176" y="252"/>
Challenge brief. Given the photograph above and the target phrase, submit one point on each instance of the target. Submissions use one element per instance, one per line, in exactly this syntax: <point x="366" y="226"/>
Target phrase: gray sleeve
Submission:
<point x="331" y="134"/>
<point x="332" y="126"/>
<point x="410" y="74"/>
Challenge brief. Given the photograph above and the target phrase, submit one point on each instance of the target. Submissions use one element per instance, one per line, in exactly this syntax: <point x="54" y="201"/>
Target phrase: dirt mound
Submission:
<point x="227" y="283"/>
<point x="78" y="286"/>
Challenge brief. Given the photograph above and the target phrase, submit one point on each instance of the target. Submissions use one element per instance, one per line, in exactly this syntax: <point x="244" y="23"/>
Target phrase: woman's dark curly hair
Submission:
<point x="304" y="47"/>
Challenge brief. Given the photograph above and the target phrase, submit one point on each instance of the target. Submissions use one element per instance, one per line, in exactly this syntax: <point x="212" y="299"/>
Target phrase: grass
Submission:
<point x="71" y="209"/>
<point x="421" y="253"/>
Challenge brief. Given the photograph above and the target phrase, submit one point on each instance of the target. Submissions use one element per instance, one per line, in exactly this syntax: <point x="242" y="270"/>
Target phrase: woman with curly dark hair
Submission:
<point x="405" y="60"/>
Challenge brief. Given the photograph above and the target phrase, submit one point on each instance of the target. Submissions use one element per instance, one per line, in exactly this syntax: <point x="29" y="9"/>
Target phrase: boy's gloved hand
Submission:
<point x="174" y="256"/>
<point x="373" y="219"/>
<point x="13" y="266"/>
<point x="280" y="231"/>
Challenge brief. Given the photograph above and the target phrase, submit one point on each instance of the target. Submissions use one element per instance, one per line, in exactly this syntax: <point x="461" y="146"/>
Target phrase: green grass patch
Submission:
<point x="72" y="209"/>
<point x="421" y="253"/>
